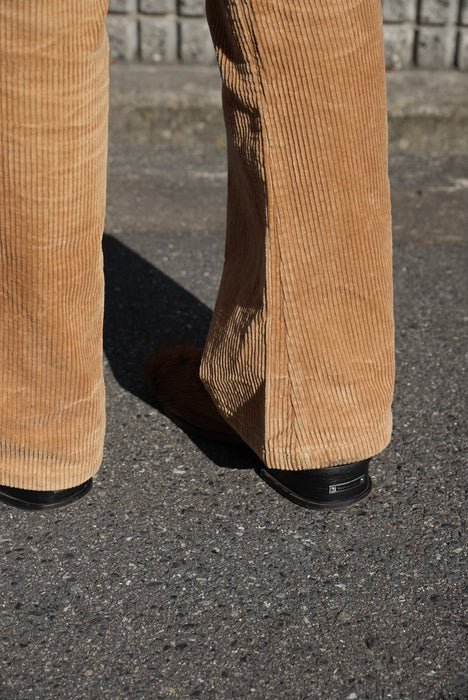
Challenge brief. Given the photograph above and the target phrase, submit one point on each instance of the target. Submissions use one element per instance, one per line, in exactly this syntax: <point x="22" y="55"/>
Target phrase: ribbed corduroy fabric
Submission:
<point x="53" y="144"/>
<point x="300" y="358"/>
<point x="300" y="354"/>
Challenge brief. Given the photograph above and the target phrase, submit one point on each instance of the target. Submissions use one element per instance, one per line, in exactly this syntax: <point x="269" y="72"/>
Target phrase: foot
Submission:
<point x="44" y="500"/>
<point x="173" y="377"/>
<point x="322" y="489"/>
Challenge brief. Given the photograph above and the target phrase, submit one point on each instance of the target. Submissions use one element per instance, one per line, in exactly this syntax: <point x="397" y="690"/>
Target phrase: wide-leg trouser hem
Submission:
<point x="369" y="444"/>
<point x="47" y="474"/>
<point x="53" y="153"/>
<point x="300" y="353"/>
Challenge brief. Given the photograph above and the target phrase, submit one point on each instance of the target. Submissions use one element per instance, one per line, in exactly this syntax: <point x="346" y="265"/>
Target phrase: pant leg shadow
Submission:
<point x="146" y="309"/>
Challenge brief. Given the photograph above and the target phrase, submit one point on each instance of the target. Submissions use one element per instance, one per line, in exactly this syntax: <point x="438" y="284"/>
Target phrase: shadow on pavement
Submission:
<point x="145" y="309"/>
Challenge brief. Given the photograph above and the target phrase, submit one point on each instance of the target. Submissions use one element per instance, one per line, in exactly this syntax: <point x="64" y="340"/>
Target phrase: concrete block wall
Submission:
<point x="430" y="34"/>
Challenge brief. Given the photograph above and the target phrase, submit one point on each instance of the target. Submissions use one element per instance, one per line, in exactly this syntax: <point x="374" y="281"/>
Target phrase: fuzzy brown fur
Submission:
<point x="172" y="374"/>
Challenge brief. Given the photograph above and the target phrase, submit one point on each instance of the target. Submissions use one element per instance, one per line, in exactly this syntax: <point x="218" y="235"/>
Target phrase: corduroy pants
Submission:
<point x="299" y="357"/>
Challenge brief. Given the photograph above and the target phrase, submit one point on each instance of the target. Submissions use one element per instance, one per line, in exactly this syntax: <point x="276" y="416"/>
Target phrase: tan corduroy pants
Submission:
<point x="299" y="357"/>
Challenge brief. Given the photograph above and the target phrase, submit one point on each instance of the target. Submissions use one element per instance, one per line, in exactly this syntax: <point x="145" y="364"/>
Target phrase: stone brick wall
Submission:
<point x="430" y="34"/>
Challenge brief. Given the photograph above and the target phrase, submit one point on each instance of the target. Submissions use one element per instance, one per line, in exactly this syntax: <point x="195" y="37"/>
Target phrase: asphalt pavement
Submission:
<point x="183" y="575"/>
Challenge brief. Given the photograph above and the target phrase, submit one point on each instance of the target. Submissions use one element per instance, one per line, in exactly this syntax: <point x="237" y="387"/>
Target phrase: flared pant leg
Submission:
<point x="53" y="146"/>
<point x="300" y="357"/>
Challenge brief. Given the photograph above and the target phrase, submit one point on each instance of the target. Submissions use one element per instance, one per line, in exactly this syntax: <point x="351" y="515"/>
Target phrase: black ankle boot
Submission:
<point x="44" y="500"/>
<point x="324" y="489"/>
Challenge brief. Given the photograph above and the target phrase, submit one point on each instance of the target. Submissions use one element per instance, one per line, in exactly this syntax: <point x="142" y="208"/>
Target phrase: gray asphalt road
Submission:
<point x="183" y="575"/>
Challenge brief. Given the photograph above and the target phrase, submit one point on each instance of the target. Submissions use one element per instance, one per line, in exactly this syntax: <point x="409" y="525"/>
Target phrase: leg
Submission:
<point x="299" y="358"/>
<point x="53" y="110"/>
